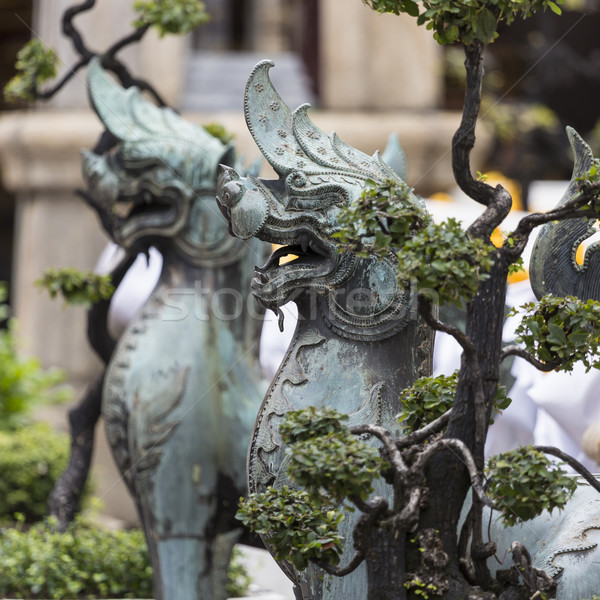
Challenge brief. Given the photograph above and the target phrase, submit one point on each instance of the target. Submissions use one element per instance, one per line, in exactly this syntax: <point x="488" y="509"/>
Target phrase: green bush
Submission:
<point x="23" y="383"/>
<point x="31" y="460"/>
<point x="84" y="562"/>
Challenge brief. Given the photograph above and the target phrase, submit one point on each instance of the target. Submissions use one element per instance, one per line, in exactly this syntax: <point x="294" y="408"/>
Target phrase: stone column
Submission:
<point x="375" y="61"/>
<point x="268" y="26"/>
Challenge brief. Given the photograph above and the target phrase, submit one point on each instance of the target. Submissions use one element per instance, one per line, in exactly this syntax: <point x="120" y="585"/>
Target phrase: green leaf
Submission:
<point x="410" y="7"/>
<point x="554" y="8"/>
<point x="486" y="26"/>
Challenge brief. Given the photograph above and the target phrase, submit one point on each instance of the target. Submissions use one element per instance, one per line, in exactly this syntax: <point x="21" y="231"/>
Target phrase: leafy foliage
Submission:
<point x="170" y="16"/>
<point x="333" y="465"/>
<point x="83" y="562"/>
<point x="524" y="483"/>
<point x="589" y="184"/>
<point x="35" y="64"/>
<point x="426" y="400"/>
<point x="77" y="287"/>
<point x="323" y="454"/>
<point x="298" y="528"/>
<point x="31" y="460"/>
<point x="441" y="258"/>
<point x="430" y="397"/>
<point x="23" y="383"/>
<point x="464" y="20"/>
<point x="562" y="331"/>
<point x="384" y="215"/>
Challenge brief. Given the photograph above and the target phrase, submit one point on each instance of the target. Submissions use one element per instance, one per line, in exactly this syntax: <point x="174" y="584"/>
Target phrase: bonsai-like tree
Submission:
<point x="415" y="544"/>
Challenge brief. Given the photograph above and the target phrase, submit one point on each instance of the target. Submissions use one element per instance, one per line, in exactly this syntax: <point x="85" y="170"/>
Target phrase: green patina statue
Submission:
<point x="553" y="267"/>
<point x="183" y="385"/>
<point x="358" y="339"/>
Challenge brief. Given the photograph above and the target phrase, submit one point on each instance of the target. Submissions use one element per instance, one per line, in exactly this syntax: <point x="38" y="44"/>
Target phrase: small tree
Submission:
<point x="412" y="544"/>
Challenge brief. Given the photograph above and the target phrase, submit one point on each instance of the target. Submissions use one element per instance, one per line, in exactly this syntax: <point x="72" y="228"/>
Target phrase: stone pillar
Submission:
<point x="39" y="153"/>
<point x="375" y="61"/>
<point x="161" y="63"/>
<point x="268" y="32"/>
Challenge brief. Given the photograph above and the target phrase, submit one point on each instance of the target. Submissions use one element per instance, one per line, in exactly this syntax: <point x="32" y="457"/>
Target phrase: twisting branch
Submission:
<point x="355" y="561"/>
<point x="467" y="458"/>
<point x="408" y="518"/>
<point x="520" y="236"/>
<point x="427" y="314"/>
<point x="514" y="350"/>
<point x="72" y="32"/>
<point x="47" y="94"/>
<point x="386" y="438"/>
<point x="378" y="506"/>
<point x="493" y="215"/>
<point x="134" y="36"/>
<point x="464" y="138"/>
<point x="572" y="462"/>
<point x="420" y="435"/>
<point x="109" y="61"/>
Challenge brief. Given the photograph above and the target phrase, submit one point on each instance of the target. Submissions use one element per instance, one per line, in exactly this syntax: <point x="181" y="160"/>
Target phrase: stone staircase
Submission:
<point x="215" y="81"/>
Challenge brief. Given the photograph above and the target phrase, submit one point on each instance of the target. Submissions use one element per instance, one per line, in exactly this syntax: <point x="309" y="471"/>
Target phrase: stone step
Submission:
<point x="215" y="81"/>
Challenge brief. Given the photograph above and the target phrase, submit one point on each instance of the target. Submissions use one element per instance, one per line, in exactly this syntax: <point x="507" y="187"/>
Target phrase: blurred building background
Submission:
<point x="367" y="75"/>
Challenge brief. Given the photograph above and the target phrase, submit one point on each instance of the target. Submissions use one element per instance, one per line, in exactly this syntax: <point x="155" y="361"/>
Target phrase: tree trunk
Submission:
<point x="446" y="474"/>
<point x="385" y="564"/>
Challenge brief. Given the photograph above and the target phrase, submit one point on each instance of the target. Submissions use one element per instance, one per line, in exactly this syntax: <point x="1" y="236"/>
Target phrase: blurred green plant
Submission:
<point x="77" y="287"/>
<point x="170" y="16"/>
<point x="84" y="562"/>
<point x="35" y="64"/>
<point x="32" y="458"/>
<point x="513" y="121"/>
<point x="217" y="130"/>
<point x="23" y="383"/>
<point x="238" y="578"/>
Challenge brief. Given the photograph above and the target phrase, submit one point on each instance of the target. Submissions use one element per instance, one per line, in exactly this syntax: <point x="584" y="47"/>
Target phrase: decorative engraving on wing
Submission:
<point x="151" y="424"/>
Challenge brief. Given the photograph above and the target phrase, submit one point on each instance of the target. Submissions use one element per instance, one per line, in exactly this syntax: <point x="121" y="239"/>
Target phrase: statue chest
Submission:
<point x="320" y="369"/>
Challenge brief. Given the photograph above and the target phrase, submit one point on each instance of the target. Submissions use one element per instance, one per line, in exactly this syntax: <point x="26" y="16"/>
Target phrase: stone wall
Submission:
<point x="372" y="61"/>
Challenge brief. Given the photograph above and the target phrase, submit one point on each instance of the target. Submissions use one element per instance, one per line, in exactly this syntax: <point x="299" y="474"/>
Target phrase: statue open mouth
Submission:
<point x="142" y="216"/>
<point x="310" y="258"/>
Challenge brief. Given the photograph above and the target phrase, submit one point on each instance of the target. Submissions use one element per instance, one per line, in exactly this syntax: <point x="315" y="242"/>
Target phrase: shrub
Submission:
<point x="84" y="562"/>
<point x="31" y="460"/>
<point x="23" y="383"/>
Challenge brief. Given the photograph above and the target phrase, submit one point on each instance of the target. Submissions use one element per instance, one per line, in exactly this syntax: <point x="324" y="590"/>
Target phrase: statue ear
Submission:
<point x="228" y="157"/>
